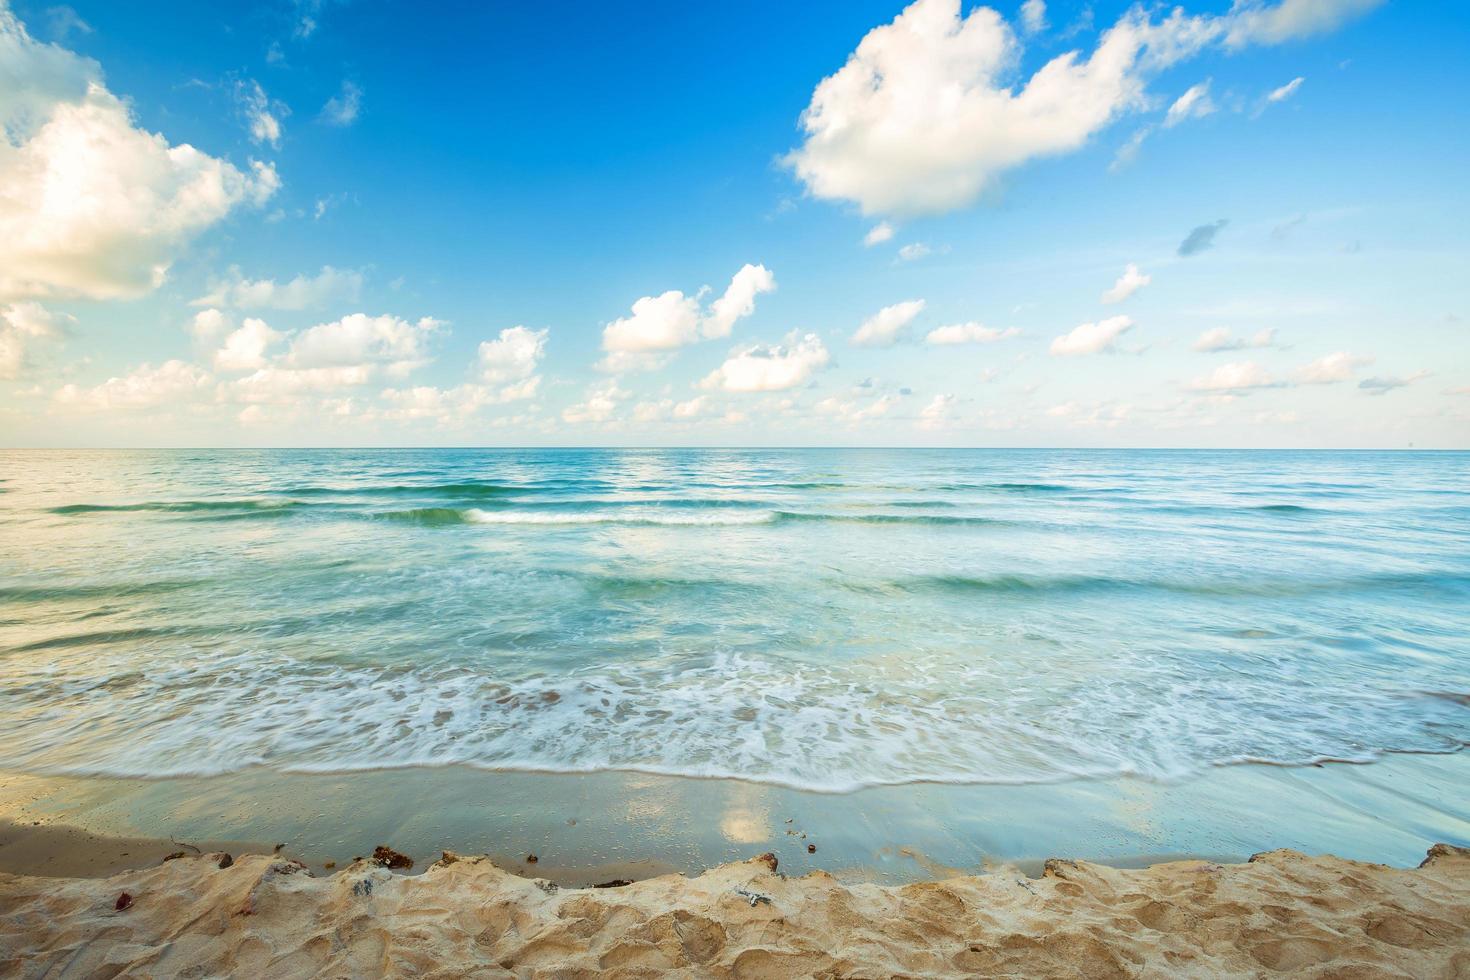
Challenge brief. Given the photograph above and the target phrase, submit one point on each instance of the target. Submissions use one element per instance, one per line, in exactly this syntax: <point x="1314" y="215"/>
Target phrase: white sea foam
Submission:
<point x="631" y="516"/>
<point x="828" y="728"/>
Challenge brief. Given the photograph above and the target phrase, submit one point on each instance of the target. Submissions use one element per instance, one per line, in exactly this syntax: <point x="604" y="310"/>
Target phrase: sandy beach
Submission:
<point x="268" y="915"/>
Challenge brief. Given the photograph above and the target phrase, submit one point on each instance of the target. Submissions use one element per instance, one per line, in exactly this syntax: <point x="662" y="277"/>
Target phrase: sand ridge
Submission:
<point x="268" y="916"/>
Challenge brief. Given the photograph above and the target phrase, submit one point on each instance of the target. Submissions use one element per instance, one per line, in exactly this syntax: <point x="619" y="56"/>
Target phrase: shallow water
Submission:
<point x="822" y="619"/>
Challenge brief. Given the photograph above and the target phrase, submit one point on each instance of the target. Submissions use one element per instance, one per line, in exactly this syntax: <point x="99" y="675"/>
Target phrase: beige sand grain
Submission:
<point x="1283" y="912"/>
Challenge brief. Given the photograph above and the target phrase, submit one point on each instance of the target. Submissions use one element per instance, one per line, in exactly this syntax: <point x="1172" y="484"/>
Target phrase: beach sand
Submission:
<point x="267" y="915"/>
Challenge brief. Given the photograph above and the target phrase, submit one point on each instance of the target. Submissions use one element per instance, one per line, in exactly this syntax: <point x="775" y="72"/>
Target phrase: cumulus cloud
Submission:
<point x="145" y="388"/>
<point x="1222" y="339"/>
<point x="90" y="205"/>
<point x="913" y="251"/>
<point x="927" y="111"/>
<point x="1193" y="104"/>
<point x="208" y="324"/>
<point x="1130" y="282"/>
<point x="1236" y="376"/>
<point x="968" y="333"/>
<point x="445" y="405"/>
<point x="1033" y="16"/>
<point x="878" y="234"/>
<point x="359" y="340"/>
<point x="1332" y="368"/>
<point x="666" y="409"/>
<point x="1260" y="22"/>
<point x="1286" y="91"/>
<point x="922" y="118"/>
<point x="883" y="328"/>
<point x="244" y="349"/>
<point x="280" y="384"/>
<point x="303" y="292"/>
<point x="321" y="360"/>
<point x="599" y="405"/>
<point x="342" y="109"/>
<point x="663" y="323"/>
<point x="1201" y="238"/>
<point x="20" y="325"/>
<point x="512" y="356"/>
<point x="775" y="367"/>
<point x="1092" y="338"/>
<point x="658" y="324"/>
<point x="738" y="300"/>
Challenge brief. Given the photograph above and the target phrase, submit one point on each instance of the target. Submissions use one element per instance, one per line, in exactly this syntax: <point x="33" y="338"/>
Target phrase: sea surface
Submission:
<point x="818" y="619"/>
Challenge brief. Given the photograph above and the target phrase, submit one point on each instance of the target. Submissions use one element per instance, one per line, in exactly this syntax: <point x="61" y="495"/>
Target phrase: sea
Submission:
<point x="824" y="619"/>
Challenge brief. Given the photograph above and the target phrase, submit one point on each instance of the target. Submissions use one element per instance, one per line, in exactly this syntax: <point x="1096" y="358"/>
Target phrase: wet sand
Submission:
<point x="268" y="916"/>
<point x="919" y="879"/>
<point x="591" y="827"/>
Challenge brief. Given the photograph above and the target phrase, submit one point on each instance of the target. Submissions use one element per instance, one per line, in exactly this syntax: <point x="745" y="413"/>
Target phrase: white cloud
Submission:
<point x="1332" y="368"/>
<point x="303" y="292"/>
<point x="512" y="356"/>
<point x="770" y="368"/>
<point x="445" y="405"/>
<point x="1286" y="91"/>
<point x="146" y="387"/>
<point x="968" y="333"/>
<point x="926" y="112"/>
<point x="1236" y="376"/>
<point x="878" y="234"/>
<point x="1092" y="338"/>
<point x="667" y="408"/>
<point x="738" y="301"/>
<point x="913" y="251"/>
<point x="1128" y="152"/>
<point x="284" y="385"/>
<point x="1193" y="104"/>
<point x="208" y="324"/>
<point x="1130" y="282"/>
<point x="659" y="323"/>
<point x="883" y="328"/>
<point x="599" y="405"/>
<point x="1221" y="339"/>
<point x="359" y="340"/>
<point x="244" y="349"/>
<point x="20" y="324"/>
<point x="1258" y="22"/>
<point x="853" y="411"/>
<point x="262" y="114"/>
<point x="939" y="412"/>
<point x="89" y="204"/>
<point x="343" y="108"/>
<point x="922" y="118"/>
<point x="663" y="323"/>
<point x="1033" y="16"/>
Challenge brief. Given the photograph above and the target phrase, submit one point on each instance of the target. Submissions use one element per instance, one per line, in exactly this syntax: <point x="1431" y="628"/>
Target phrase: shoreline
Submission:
<point x="257" y="915"/>
<point x="596" y="826"/>
<point x="632" y="826"/>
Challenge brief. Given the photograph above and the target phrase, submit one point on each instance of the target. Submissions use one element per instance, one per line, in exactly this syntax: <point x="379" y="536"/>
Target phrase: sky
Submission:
<point x="343" y="222"/>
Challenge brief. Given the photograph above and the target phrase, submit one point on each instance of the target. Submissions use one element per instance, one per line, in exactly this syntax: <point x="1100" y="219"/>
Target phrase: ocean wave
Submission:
<point x="663" y="517"/>
<point x="1268" y="587"/>
<point x="179" y="506"/>
<point x="833" y="727"/>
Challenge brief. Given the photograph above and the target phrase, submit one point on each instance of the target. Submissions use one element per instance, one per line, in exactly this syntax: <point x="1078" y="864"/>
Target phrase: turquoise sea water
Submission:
<point x="821" y="619"/>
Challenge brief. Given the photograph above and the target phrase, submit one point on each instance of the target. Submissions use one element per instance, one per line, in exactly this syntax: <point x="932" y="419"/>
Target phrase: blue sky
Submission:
<point x="352" y="223"/>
